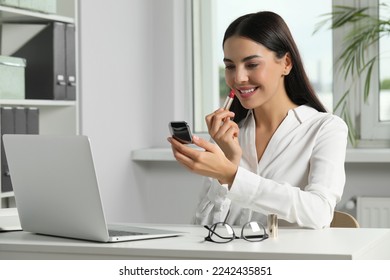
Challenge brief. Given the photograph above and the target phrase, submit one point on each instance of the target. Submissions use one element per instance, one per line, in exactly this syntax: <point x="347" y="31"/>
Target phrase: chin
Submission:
<point x="248" y="105"/>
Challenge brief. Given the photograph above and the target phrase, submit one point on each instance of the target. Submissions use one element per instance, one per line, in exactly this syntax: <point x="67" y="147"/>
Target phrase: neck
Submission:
<point x="269" y="116"/>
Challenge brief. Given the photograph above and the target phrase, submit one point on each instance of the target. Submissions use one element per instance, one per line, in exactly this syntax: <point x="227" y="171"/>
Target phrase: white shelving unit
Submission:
<point x="55" y="116"/>
<point x="16" y="15"/>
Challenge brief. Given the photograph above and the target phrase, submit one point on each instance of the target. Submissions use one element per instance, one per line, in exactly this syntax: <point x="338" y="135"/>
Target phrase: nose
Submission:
<point x="241" y="75"/>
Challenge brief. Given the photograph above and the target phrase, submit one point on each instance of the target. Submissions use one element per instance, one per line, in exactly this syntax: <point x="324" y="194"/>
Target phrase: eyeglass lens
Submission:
<point x="221" y="233"/>
<point x="253" y="231"/>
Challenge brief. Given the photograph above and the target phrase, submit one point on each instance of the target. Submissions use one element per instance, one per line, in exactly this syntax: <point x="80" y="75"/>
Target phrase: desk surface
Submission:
<point x="331" y="243"/>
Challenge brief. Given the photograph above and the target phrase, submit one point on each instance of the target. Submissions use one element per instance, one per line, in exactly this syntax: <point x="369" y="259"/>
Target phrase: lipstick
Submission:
<point x="229" y="100"/>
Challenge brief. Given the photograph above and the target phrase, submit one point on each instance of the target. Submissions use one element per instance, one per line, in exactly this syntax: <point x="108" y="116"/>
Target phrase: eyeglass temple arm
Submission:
<point x="227" y="216"/>
<point x="257" y="236"/>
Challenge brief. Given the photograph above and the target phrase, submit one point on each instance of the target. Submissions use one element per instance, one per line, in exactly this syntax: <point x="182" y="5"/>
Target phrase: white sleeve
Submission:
<point x="309" y="206"/>
<point x="214" y="204"/>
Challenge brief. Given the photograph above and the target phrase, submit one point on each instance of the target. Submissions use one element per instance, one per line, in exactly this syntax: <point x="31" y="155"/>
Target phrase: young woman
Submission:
<point x="277" y="151"/>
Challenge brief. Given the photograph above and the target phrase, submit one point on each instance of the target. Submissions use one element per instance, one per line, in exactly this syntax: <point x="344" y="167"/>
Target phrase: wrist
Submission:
<point x="229" y="175"/>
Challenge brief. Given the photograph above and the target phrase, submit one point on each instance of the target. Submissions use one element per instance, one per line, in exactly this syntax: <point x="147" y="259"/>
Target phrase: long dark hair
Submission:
<point x="270" y="30"/>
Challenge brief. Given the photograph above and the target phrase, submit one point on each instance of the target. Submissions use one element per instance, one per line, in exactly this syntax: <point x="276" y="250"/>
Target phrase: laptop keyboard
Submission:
<point x="123" y="233"/>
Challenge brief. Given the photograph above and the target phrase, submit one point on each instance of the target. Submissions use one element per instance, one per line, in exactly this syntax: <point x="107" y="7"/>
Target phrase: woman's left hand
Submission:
<point x="210" y="162"/>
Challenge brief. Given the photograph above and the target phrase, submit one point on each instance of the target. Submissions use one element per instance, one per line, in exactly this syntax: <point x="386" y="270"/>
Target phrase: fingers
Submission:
<point x="202" y="143"/>
<point x="229" y="130"/>
<point x="226" y="132"/>
<point x="189" y="155"/>
<point x="217" y="120"/>
<point x="218" y="117"/>
<point x="179" y="152"/>
<point x="209" y="162"/>
<point x="183" y="152"/>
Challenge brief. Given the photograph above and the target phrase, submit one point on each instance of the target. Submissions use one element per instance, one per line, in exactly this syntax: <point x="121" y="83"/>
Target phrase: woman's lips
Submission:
<point x="247" y="92"/>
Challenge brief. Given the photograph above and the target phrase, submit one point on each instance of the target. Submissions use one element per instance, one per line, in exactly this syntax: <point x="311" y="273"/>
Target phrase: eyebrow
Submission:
<point x="244" y="59"/>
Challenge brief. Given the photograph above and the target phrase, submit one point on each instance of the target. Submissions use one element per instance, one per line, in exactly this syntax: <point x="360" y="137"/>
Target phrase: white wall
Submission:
<point x="366" y="179"/>
<point x="132" y="83"/>
<point x="116" y="70"/>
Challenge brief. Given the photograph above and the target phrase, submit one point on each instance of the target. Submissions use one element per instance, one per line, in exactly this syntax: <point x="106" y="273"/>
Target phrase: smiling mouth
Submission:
<point x="247" y="92"/>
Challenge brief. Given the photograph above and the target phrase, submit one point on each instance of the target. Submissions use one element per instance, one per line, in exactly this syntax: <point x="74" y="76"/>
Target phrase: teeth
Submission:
<point x="247" y="91"/>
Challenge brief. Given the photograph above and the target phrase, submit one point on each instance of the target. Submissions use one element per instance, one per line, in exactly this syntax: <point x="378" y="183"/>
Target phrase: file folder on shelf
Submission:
<point x="15" y="120"/>
<point x="70" y="47"/>
<point x="7" y="127"/>
<point x="32" y="114"/>
<point x="20" y="120"/>
<point x="49" y="53"/>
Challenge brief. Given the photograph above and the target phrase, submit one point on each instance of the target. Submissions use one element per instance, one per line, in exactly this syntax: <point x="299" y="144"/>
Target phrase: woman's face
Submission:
<point x="254" y="72"/>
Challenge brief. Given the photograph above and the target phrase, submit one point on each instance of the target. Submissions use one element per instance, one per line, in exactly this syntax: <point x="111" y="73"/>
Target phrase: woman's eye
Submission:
<point x="252" y="65"/>
<point x="229" y="67"/>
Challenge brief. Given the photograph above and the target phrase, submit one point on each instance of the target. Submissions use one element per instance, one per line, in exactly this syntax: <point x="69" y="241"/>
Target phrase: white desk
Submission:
<point x="333" y="243"/>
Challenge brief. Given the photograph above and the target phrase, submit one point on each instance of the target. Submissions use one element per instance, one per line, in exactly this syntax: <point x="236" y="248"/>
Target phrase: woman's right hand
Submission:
<point x="225" y="133"/>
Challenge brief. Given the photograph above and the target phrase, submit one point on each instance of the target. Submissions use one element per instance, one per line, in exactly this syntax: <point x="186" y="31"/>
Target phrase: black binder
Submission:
<point x="47" y="62"/>
<point x="70" y="47"/>
<point x="7" y="127"/>
<point x="32" y="120"/>
<point x="15" y="120"/>
<point x="20" y="120"/>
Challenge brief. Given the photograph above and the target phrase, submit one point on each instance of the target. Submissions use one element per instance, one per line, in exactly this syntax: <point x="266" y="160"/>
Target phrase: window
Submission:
<point x="384" y="68"/>
<point x="375" y="114"/>
<point x="318" y="51"/>
<point x="371" y="116"/>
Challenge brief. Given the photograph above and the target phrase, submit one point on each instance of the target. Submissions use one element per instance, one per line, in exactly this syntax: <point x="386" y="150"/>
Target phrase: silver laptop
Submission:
<point x="56" y="190"/>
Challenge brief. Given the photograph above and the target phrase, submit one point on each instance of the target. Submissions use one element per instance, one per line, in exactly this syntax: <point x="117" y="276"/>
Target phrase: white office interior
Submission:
<point x="132" y="62"/>
<point x="133" y="80"/>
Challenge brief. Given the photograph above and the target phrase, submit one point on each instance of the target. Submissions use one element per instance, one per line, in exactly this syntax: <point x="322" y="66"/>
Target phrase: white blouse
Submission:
<point x="300" y="176"/>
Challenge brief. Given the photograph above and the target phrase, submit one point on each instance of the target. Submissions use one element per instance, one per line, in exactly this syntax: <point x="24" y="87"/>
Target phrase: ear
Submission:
<point x="287" y="64"/>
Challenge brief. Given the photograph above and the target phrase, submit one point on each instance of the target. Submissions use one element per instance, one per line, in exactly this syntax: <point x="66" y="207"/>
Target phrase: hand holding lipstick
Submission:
<point x="219" y="160"/>
<point x="225" y="132"/>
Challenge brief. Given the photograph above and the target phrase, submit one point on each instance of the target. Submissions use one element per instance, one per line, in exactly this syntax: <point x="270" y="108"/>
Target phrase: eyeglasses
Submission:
<point x="223" y="233"/>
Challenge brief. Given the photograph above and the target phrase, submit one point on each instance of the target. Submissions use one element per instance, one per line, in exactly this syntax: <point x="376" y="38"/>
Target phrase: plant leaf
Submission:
<point x="341" y="101"/>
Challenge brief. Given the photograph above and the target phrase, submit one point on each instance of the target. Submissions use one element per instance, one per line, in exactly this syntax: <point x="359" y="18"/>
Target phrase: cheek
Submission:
<point x="266" y="75"/>
<point x="229" y="78"/>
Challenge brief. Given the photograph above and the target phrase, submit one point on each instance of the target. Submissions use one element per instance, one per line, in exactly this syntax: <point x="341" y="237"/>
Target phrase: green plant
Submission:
<point x="365" y="30"/>
<point x="223" y="88"/>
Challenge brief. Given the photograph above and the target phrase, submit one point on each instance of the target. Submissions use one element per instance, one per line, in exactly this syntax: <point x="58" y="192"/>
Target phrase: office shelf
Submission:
<point x="17" y="15"/>
<point x="55" y="116"/>
<point x="36" y="102"/>
<point x="7" y="194"/>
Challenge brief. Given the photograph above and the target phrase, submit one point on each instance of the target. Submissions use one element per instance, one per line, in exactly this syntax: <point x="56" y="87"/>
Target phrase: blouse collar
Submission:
<point x="301" y="113"/>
